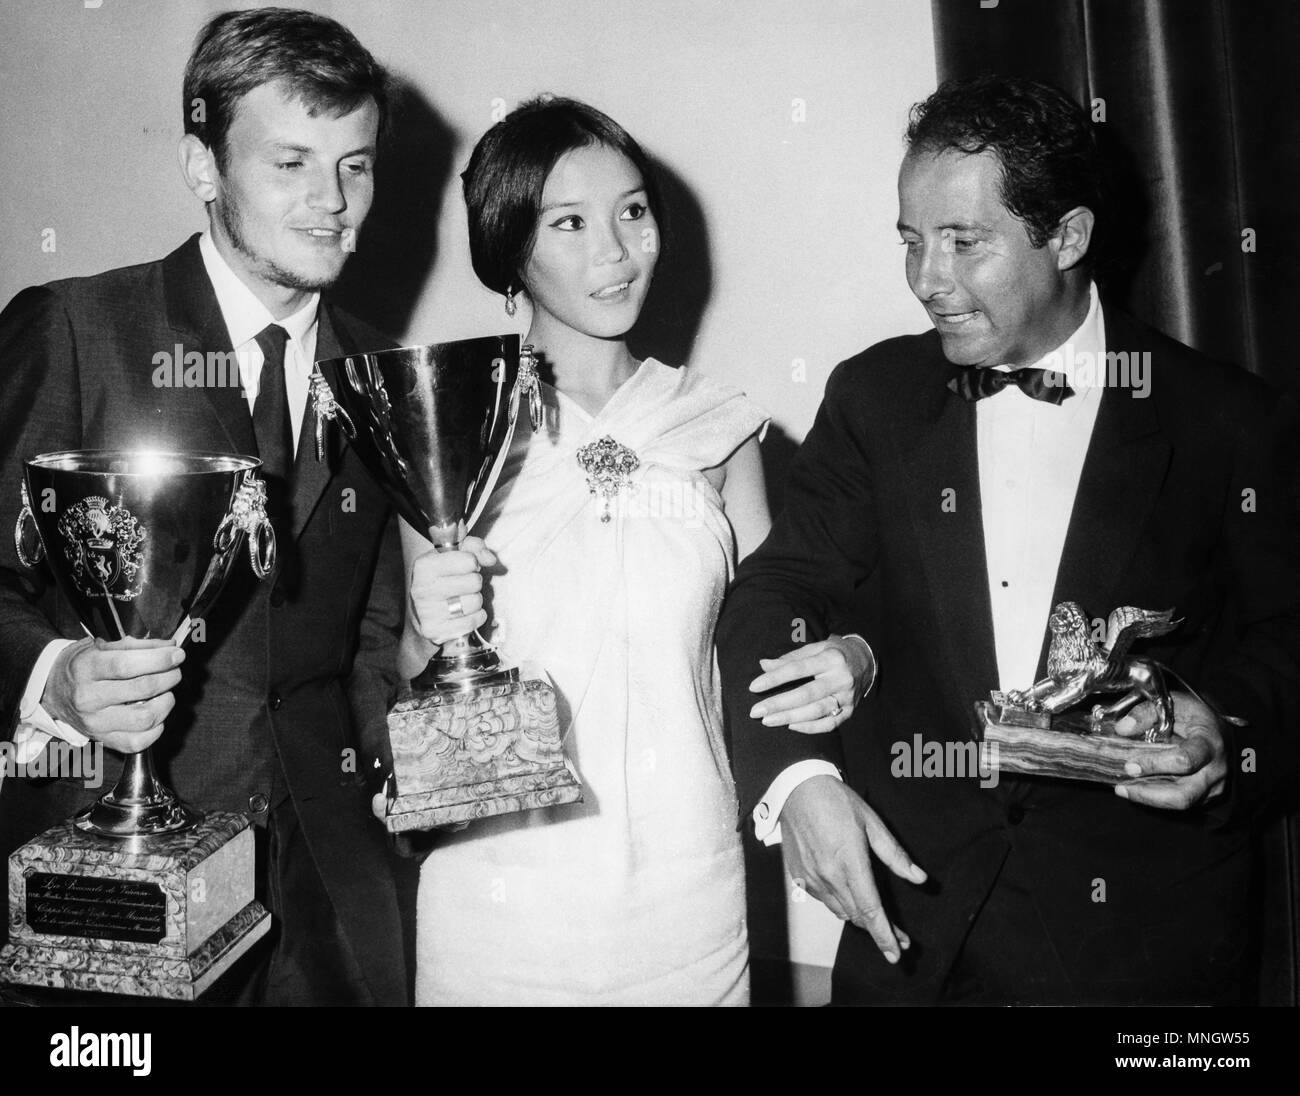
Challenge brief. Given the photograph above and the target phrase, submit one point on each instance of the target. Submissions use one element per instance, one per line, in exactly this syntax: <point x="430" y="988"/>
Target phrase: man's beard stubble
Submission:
<point x="231" y="218"/>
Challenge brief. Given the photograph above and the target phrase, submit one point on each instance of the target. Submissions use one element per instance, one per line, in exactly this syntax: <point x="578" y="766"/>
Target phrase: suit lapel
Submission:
<point x="194" y="315"/>
<point x="1123" y="472"/>
<point x="937" y="452"/>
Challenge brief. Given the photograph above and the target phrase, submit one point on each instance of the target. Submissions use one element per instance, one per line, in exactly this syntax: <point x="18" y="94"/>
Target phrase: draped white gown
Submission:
<point x="635" y="896"/>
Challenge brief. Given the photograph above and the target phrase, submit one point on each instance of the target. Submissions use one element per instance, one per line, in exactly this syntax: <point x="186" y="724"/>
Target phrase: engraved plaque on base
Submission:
<point x="1036" y="744"/>
<point x="161" y="917"/>
<point x="490" y="750"/>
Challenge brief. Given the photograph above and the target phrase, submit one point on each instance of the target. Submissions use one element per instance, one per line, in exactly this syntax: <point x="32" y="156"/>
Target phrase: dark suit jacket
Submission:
<point x="865" y="545"/>
<point x="298" y="670"/>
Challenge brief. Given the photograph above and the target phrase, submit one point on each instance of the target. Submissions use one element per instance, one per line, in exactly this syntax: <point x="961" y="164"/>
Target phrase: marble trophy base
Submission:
<point x="160" y="916"/>
<point x="1064" y="746"/>
<point x="491" y="750"/>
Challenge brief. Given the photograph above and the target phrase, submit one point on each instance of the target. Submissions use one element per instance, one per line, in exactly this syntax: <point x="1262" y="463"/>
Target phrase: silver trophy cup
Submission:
<point x="432" y="424"/>
<point x="140" y="543"/>
<point x="471" y="737"/>
<point x="138" y="894"/>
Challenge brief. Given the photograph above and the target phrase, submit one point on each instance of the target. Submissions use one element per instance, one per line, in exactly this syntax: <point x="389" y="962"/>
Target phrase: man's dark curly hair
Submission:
<point x="1042" y="138"/>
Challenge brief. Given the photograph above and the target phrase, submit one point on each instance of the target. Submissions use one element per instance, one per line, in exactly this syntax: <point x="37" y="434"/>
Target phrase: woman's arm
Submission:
<point x="744" y="497"/>
<point x="414" y="651"/>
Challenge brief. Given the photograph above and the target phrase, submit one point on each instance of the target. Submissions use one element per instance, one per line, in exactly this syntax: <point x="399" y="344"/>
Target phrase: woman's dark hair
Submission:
<point x="508" y="171"/>
<point x="1042" y="138"/>
<point x="320" y="61"/>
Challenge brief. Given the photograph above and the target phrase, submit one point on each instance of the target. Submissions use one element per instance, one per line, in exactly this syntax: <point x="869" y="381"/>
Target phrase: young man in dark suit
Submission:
<point x="280" y="710"/>
<point x="1038" y="446"/>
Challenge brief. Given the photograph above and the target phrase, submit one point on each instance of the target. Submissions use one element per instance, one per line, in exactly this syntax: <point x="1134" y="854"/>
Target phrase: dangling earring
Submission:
<point x="510" y="300"/>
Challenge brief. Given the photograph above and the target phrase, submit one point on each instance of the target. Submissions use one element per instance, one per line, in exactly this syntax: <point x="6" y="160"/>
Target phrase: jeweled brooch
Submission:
<point x="609" y="467"/>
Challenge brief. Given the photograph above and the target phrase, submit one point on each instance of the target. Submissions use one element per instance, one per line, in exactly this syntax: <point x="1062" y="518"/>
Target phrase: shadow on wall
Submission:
<point x="674" y="309"/>
<point x="683" y="281"/>
<point x="398" y="247"/>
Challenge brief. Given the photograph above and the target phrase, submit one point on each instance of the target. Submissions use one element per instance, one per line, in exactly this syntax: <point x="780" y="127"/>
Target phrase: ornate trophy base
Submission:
<point x="1064" y="746"/>
<point x="159" y="916"/>
<point x="469" y="754"/>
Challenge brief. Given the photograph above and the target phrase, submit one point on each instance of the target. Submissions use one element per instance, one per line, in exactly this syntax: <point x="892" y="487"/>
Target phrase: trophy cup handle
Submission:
<point x="327" y="410"/>
<point x="261" y="549"/>
<point x="248" y="515"/>
<point x="25" y="515"/>
<point x="526" y="386"/>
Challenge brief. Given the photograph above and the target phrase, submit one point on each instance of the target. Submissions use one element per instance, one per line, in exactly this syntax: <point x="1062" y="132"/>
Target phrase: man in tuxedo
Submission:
<point x="278" y="708"/>
<point x="1037" y="446"/>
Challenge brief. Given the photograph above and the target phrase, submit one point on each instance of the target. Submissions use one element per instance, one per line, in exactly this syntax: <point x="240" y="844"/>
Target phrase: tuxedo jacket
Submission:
<point x="1183" y="503"/>
<point x="295" y="673"/>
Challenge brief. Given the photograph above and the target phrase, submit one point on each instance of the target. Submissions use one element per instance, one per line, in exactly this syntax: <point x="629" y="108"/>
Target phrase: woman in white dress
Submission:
<point x="636" y="895"/>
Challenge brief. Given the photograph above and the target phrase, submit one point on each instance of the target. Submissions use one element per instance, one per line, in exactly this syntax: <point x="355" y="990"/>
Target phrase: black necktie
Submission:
<point x="271" y="424"/>
<point x="1040" y="384"/>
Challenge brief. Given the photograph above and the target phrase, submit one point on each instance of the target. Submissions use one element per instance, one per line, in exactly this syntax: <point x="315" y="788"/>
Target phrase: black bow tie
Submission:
<point x="1040" y="384"/>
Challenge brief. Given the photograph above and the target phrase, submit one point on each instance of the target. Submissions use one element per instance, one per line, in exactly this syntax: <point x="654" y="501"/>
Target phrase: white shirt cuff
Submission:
<point x="767" y="815"/>
<point x="35" y="725"/>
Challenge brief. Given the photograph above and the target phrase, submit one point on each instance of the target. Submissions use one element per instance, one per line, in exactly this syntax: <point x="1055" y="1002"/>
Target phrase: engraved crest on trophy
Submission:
<point x="102" y="545"/>
<point x="471" y="737"/>
<point x="139" y="893"/>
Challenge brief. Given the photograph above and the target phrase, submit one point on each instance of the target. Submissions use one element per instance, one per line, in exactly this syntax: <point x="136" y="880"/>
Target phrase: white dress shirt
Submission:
<point x="1031" y="456"/>
<point x="245" y="317"/>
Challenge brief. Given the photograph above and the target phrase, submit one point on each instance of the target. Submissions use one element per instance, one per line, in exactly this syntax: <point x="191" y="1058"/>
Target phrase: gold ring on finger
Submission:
<point x="455" y="607"/>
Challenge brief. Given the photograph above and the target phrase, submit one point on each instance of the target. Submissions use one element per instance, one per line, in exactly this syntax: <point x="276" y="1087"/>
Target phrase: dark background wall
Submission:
<point x="1201" y="108"/>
